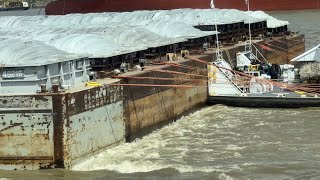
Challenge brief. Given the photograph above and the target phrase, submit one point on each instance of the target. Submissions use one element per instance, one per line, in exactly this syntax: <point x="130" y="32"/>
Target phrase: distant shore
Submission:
<point x="29" y="12"/>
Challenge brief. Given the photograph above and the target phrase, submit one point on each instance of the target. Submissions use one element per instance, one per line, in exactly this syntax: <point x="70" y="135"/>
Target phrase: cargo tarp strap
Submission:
<point x="159" y="85"/>
<point x="185" y="66"/>
<point x="265" y="47"/>
<point x="284" y="42"/>
<point x="269" y="44"/>
<point x="280" y="41"/>
<point x="170" y="79"/>
<point x="274" y="50"/>
<point x="162" y="79"/>
<point x="290" y="55"/>
<point x="180" y="73"/>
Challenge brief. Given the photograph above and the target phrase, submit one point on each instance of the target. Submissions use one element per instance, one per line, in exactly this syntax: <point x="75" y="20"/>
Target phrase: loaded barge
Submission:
<point x="13" y="5"/>
<point x="62" y="97"/>
<point x="88" y="6"/>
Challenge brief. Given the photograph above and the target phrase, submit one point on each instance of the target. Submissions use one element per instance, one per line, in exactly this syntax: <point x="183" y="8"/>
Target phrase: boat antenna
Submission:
<point x="250" y="38"/>
<point x="42" y="6"/>
<point x="218" y="54"/>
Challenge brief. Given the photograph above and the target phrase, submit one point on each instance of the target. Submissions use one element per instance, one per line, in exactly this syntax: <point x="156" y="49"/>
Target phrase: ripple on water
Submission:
<point x="231" y="144"/>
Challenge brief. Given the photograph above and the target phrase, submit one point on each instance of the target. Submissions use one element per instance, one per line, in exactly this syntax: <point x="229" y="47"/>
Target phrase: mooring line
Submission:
<point x="156" y="78"/>
<point x="180" y="73"/>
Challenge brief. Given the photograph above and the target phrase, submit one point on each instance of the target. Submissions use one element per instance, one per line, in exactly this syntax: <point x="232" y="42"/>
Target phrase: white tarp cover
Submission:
<point x="191" y="17"/>
<point x="15" y="52"/>
<point x="96" y="42"/>
<point x="94" y="45"/>
<point x="176" y="30"/>
<point x="91" y="45"/>
<point x="102" y="34"/>
<point x="109" y="34"/>
<point x="135" y="36"/>
<point x="271" y="21"/>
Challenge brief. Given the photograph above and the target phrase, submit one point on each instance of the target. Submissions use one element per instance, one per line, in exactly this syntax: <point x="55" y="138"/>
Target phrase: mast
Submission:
<point x="250" y="39"/>
<point x="218" y="54"/>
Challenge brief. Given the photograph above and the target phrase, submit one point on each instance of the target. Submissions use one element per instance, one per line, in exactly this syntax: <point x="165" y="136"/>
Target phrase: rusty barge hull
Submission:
<point x="60" y="7"/>
<point x="56" y="130"/>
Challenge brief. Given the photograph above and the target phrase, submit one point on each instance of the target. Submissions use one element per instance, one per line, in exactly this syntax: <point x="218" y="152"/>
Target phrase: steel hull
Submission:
<point x="87" y="6"/>
<point x="264" y="102"/>
<point x="14" y="9"/>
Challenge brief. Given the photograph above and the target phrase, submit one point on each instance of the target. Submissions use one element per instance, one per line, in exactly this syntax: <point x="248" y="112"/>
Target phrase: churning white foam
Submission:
<point x="223" y="176"/>
<point x="164" y="148"/>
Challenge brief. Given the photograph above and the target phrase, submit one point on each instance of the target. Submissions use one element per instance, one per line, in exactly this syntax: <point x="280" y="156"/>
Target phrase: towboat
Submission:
<point x="251" y="85"/>
<point x="14" y="5"/>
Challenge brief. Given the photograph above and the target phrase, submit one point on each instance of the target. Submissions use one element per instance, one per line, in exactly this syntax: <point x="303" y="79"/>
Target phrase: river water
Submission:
<point x="216" y="142"/>
<point x="305" y="21"/>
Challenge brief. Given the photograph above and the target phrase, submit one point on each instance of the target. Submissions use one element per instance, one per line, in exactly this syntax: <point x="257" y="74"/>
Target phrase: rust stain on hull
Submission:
<point x="26" y="130"/>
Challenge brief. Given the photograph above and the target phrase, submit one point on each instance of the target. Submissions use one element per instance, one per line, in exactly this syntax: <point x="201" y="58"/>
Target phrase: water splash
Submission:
<point x="217" y="139"/>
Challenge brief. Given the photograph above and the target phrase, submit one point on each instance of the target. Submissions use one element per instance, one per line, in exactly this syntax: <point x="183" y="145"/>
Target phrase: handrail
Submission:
<point x="260" y="53"/>
<point x="231" y="81"/>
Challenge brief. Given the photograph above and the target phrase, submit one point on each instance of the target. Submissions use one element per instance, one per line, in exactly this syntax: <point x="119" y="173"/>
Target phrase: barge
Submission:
<point x="14" y="5"/>
<point x="60" y="7"/>
<point x="52" y="117"/>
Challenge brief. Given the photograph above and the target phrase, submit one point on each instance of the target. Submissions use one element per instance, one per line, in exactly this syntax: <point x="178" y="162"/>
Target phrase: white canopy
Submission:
<point x="313" y="55"/>
<point x="271" y="21"/>
<point x="15" y="52"/>
<point x="191" y="17"/>
<point x="110" y="34"/>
